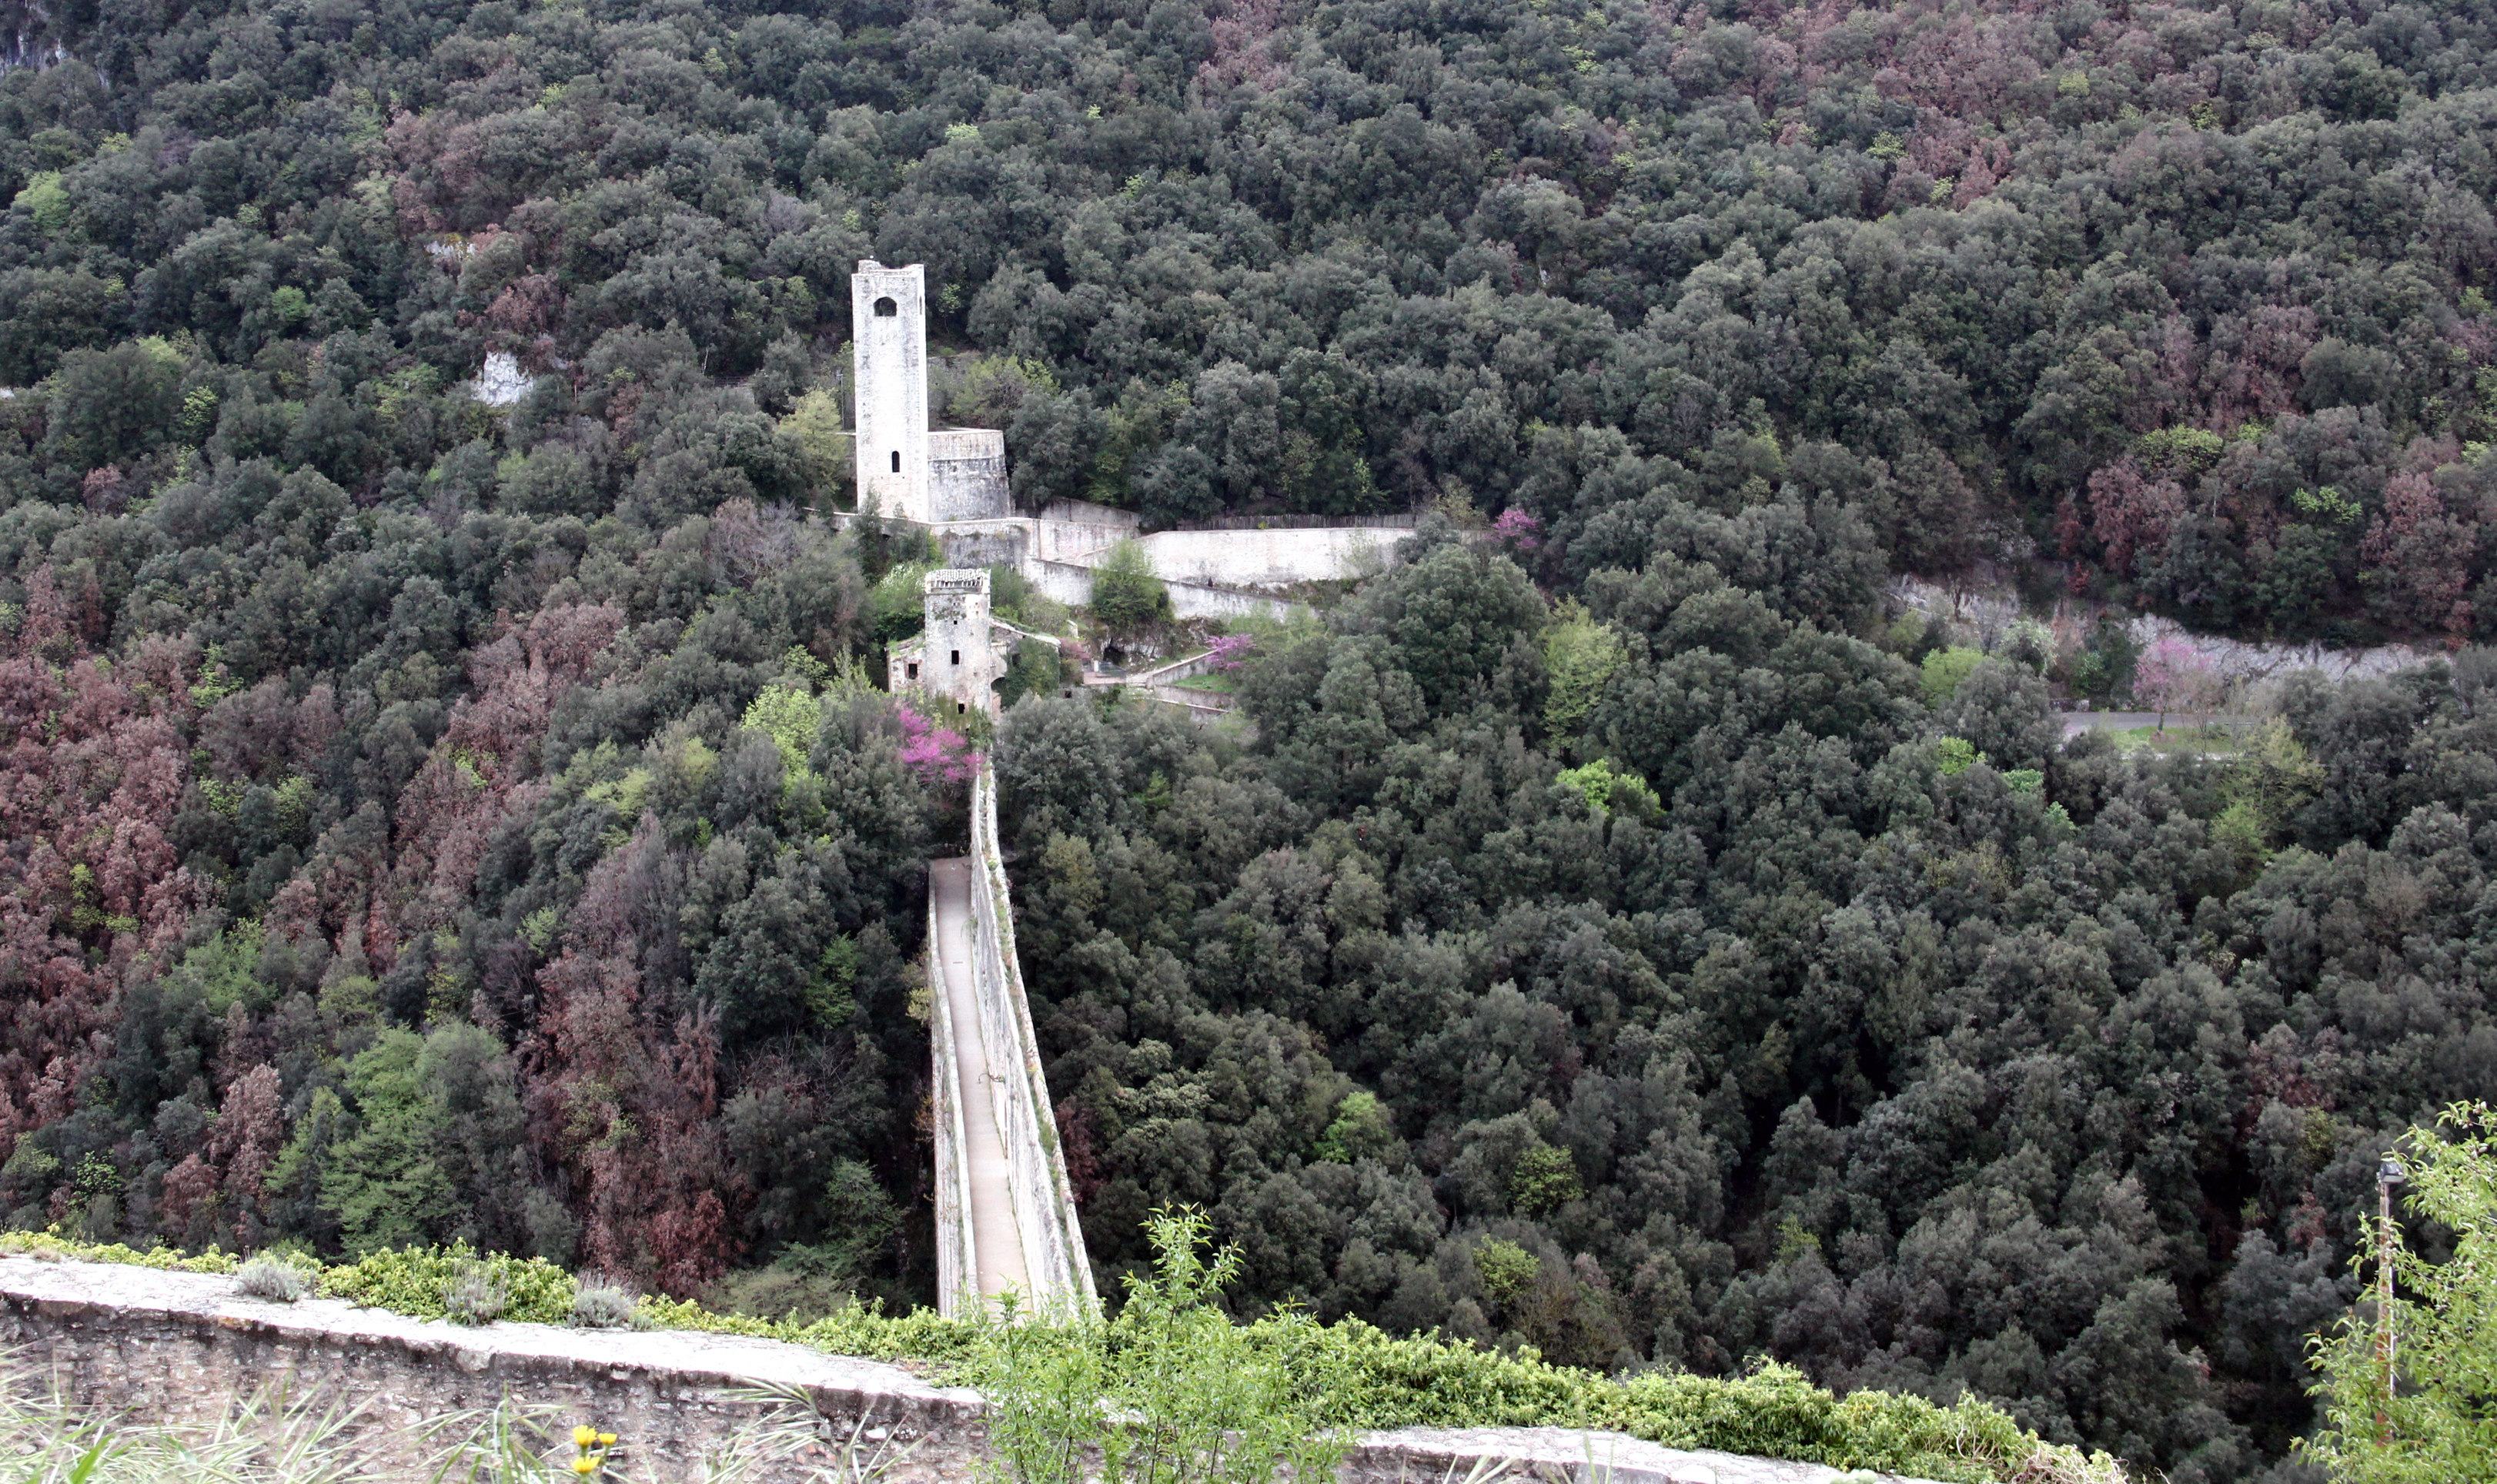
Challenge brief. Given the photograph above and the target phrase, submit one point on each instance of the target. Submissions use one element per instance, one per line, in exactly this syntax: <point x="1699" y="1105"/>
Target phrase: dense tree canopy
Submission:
<point x="2192" y="297"/>
<point x="431" y="820"/>
<point x="1912" y="1045"/>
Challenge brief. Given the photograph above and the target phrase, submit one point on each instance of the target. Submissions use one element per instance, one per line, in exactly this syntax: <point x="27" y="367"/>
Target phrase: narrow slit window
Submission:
<point x="886" y="309"/>
<point x="896" y="460"/>
<point x="957" y="656"/>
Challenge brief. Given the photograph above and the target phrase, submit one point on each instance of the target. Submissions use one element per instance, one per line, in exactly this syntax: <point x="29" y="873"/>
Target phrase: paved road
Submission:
<point x="996" y="1244"/>
<point x="2078" y="722"/>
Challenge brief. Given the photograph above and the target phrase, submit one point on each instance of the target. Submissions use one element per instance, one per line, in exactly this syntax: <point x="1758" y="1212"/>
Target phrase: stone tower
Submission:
<point x="959" y="660"/>
<point x="889" y="331"/>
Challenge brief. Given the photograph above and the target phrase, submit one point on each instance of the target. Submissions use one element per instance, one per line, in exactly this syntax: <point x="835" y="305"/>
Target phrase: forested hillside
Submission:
<point x="430" y="821"/>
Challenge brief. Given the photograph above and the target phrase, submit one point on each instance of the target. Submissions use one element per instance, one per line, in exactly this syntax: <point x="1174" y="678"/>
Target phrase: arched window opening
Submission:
<point x="886" y="309"/>
<point x="896" y="460"/>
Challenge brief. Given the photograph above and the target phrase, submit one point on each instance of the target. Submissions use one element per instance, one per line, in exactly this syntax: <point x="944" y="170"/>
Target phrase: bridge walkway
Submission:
<point x="996" y="1241"/>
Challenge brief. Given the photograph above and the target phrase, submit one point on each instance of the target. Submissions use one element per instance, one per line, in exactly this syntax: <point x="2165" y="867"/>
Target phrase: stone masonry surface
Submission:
<point x="182" y="1347"/>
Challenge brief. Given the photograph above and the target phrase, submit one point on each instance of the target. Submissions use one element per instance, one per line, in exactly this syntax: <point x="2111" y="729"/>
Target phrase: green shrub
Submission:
<point x="1607" y="788"/>
<point x="1127" y="595"/>
<point x="895" y="606"/>
<point x="599" y="1304"/>
<point x="1956" y="755"/>
<point x="1546" y="1179"/>
<point x="1942" y="669"/>
<point x="164" y="1259"/>
<point x="1362" y="1129"/>
<point x="1169" y="1390"/>
<point x="1504" y="1269"/>
<point x="1363" y="1377"/>
<point x="416" y="1282"/>
<point x="273" y="1280"/>
<point x="479" y="1295"/>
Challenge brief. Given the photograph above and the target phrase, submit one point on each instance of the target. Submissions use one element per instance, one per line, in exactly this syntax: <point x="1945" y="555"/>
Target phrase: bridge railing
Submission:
<point x="1044" y="1200"/>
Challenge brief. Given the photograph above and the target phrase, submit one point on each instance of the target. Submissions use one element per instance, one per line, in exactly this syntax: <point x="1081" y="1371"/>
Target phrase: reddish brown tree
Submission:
<point x="622" y="1086"/>
<point x="92" y="761"/>
<point x="2131" y="514"/>
<point x="2424" y="554"/>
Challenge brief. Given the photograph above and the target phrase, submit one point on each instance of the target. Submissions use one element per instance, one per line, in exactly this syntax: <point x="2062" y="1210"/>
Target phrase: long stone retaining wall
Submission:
<point x="1984" y="615"/>
<point x="1243" y="569"/>
<point x="185" y="1348"/>
<point x="1073" y="585"/>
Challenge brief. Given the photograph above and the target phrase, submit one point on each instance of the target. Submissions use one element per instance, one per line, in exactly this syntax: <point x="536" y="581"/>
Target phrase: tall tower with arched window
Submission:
<point x="889" y="335"/>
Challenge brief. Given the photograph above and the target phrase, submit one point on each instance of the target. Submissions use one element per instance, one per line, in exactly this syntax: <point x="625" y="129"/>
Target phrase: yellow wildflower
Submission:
<point x="584" y="1436"/>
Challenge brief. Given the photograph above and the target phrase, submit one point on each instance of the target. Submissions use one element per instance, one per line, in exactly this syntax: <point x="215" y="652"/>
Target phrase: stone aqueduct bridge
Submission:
<point x="1005" y="1215"/>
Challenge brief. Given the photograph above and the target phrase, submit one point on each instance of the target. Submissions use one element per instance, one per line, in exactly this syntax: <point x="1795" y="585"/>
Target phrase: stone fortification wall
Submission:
<point x="1044" y="1200"/>
<point x="1227" y="573"/>
<point x="1269" y="558"/>
<point x="1226" y="553"/>
<point x="966" y="475"/>
<point x="1004" y="541"/>
<point x="1086" y="513"/>
<point x="182" y="1347"/>
<point x="1073" y="585"/>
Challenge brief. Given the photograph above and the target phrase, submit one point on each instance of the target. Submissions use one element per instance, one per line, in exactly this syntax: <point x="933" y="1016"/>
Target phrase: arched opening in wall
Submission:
<point x="896" y="460"/>
<point x="886" y="309"/>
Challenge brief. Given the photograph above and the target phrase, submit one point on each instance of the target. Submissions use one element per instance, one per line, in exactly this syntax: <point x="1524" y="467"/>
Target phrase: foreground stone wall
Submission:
<point x="182" y="1347"/>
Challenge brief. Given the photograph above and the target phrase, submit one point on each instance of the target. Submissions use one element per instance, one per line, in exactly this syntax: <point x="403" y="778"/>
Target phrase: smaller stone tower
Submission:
<point x="889" y="335"/>
<point x="957" y="653"/>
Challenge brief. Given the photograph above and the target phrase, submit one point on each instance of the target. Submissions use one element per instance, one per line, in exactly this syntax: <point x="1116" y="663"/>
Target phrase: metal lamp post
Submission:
<point x="2389" y="1174"/>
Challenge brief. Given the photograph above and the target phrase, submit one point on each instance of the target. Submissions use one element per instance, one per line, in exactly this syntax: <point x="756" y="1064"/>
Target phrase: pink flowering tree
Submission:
<point x="2172" y="676"/>
<point x="1518" y="530"/>
<point x="1224" y="652"/>
<point x="937" y="755"/>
